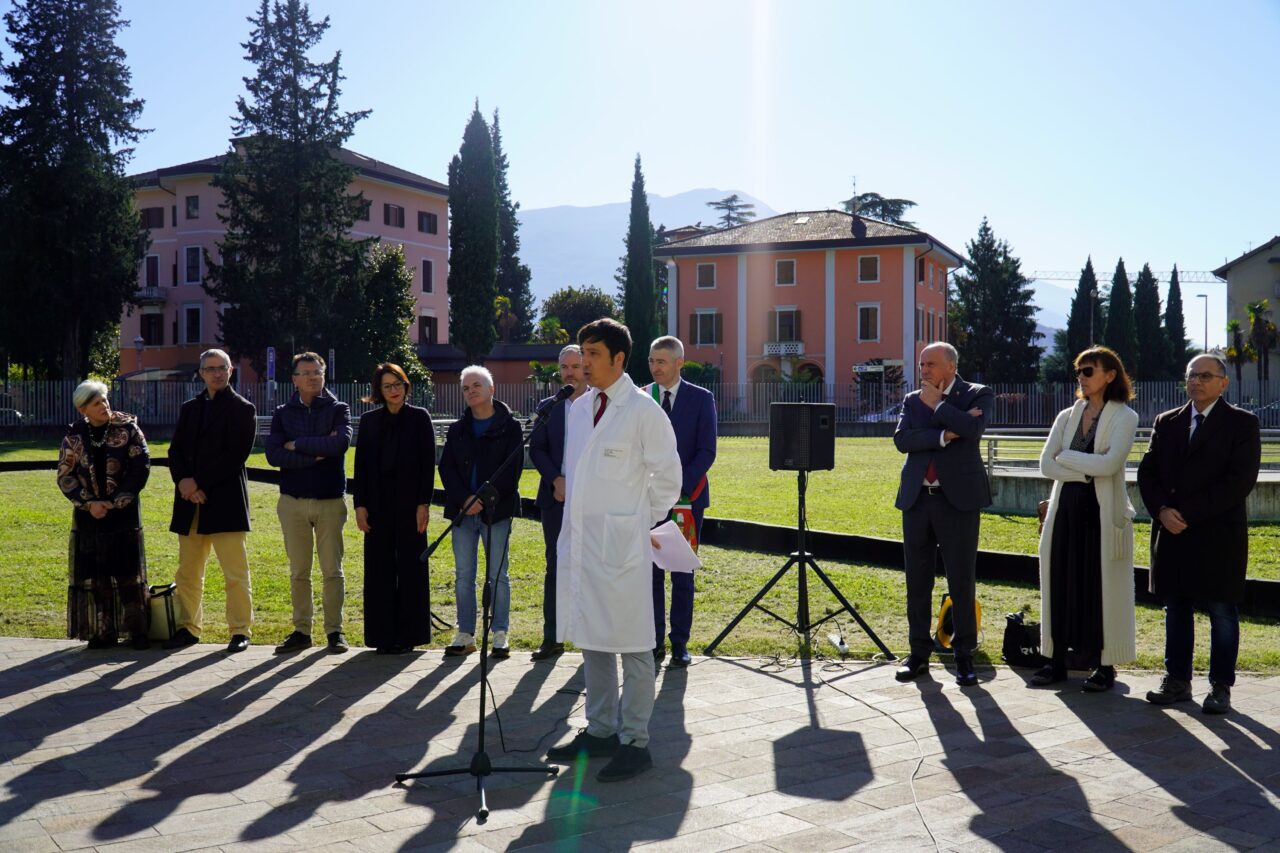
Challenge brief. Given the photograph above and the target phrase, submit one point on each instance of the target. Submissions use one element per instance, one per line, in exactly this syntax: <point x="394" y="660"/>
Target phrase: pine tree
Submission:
<point x="638" y="302"/>
<point x="285" y="260"/>
<point x="1175" y="328"/>
<point x="733" y="210"/>
<point x="513" y="276"/>
<point x="876" y="206"/>
<point x="473" y="241"/>
<point x="1121" y="333"/>
<point x="378" y="318"/>
<point x="69" y="237"/>
<point x="1153" y="355"/>
<point x="995" y="313"/>
<point x="1083" y="330"/>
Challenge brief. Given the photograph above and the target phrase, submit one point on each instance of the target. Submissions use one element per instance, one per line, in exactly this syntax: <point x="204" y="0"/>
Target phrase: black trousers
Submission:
<point x="397" y="588"/>
<point x="552" y="519"/>
<point x="930" y="526"/>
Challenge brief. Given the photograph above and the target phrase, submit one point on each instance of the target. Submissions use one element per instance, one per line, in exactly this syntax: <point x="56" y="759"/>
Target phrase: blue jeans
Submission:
<point x="1180" y="639"/>
<point x="468" y="533"/>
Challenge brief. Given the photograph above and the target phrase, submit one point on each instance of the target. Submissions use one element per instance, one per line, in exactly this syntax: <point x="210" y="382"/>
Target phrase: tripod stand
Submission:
<point x="480" y="765"/>
<point x="804" y="560"/>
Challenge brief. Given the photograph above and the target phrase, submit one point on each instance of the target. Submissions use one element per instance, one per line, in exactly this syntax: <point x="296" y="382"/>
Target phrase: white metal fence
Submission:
<point x="48" y="403"/>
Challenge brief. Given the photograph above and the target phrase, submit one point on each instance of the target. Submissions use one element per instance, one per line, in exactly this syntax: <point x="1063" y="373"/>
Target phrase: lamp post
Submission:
<point x="138" y="344"/>
<point x="1205" y="297"/>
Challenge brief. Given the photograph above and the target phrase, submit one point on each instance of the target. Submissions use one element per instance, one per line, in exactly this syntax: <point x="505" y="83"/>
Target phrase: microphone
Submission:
<point x="563" y="394"/>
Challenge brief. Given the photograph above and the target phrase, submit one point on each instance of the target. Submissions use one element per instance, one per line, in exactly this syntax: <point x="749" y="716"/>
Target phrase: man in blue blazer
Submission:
<point x="546" y="450"/>
<point x="693" y="417"/>
<point x="941" y="494"/>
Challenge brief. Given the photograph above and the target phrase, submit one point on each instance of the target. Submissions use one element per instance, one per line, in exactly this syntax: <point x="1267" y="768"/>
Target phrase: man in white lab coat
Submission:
<point x="622" y="475"/>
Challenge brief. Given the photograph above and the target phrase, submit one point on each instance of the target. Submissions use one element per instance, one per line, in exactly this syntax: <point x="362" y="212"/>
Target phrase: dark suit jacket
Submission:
<point x="546" y="451"/>
<point x="961" y="473"/>
<point x="693" y="418"/>
<point x="1207" y="480"/>
<point x="212" y="448"/>
<point x="415" y="455"/>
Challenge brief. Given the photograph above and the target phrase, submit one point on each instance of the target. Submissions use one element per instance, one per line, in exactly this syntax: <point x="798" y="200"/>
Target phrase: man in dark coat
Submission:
<point x="474" y="449"/>
<point x="546" y="451"/>
<point x="941" y="494"/>
<point x="1195" y="477"/>
<point x="210" y="446"/>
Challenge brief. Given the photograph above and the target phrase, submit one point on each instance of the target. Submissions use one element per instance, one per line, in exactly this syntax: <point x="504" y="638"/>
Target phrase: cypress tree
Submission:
<point x="285" y="260"/>
<point x="995" y="313"/>
<point x="1175" y="328"/>
<point x="513" y="276"/>
<point x="1121" y="333"/>
<point x="1153" y="354"/>
<point x="638" y="290"/>
<point x="1083" y="329"/>
<point x="473" y="241"/>
<point x="69" y="236"/>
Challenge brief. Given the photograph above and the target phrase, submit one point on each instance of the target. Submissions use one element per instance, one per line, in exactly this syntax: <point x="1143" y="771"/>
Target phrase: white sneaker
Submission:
<point x="463" y="644"/>
<point x="501" y="646"/>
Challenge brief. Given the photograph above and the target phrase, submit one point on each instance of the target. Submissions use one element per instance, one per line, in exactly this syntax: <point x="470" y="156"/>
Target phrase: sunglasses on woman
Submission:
<point x="1086" y="371"/>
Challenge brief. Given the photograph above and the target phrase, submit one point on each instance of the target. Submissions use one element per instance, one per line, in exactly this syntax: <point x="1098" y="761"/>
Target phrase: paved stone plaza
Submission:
<point x="193" y="749"/>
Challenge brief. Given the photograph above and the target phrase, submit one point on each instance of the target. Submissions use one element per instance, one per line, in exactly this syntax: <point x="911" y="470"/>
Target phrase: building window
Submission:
<point x="784" y="273"/>
<point x="932" y="269"/>
<point x="919" y="323"/>
<point x="868" y="323"/>
<point x="428" y="223"/>
<point x="365" y="206"/>
<point x="151" y="278"/>
<point x="920" y="264"/>
<point x="153" y="330"/>
<point x="707" y="328"/>
<point x="428" y="277"/>
<point x="428" y="330"/>
<point x="191" y="324"/>
<point x="193" y="207"/>
<point x="706" y="276"/>
<point x="193" y="265"/>
<point x="152" y="217"/>
<point x="931" y="326"/>
<point x="173" y="210"/>
<point x="869" y="269"/>
<point x="393" y="215"/>
<point x="784" y="325"/>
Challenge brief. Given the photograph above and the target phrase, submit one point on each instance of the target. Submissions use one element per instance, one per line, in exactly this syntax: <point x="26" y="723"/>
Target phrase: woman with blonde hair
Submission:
<point x="102" y="466"/>
<point x="1086" y="549"/>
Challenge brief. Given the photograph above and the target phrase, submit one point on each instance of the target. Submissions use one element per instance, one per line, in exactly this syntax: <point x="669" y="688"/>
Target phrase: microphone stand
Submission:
<point x="480" y="765"/>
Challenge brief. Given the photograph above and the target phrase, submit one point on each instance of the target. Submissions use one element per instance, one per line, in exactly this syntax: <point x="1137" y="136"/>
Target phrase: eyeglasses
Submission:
<point x="393" y="386"/>
<point x="1204" y="377"/>
<point x="310" y="374"/>
<point x="221" y="368"/>
<point x="1086" y="371"/>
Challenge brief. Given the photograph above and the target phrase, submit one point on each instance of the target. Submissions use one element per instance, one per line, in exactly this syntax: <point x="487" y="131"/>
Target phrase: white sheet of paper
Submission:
<point x="675" y="555"/>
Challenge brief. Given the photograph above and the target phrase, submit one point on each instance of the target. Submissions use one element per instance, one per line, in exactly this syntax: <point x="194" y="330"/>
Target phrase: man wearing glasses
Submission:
<point x="309" y="438"/>
<point x="210" y="445"/>
<point x="1198" y="471"/>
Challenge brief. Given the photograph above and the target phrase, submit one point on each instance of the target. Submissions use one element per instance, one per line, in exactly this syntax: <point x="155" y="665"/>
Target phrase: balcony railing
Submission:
<point x="151" y="295"/>
<point x="784" y="348"/>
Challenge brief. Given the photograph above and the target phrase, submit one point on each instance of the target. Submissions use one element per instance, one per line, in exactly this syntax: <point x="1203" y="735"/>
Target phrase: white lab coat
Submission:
<point x="622" y="476"/>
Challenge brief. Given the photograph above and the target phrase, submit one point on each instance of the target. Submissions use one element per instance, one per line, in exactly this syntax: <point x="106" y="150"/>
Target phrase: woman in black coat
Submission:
<point x="102" y="466"/>
<point x="394" y="482"/>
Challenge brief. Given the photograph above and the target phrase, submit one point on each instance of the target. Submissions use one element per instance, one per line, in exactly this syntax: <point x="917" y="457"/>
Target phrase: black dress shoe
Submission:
<point x="1102" y="680"/>
<point x="1050" y="673"/>
<point x="140" y="641"/>
<point x="680" y="658"/>
<point x="547" y="651"/>
<point x="630" y="761"/>
<point x="181" y="638"/>
<point x="239" y="642"/>
<point x="337" y="643"/>
<point x="295" y="642"/>
<point x="966" y="676"/>
<point x="912" y="668"/>
<point x="97" y="643"/>
<point x="583" y="744"/>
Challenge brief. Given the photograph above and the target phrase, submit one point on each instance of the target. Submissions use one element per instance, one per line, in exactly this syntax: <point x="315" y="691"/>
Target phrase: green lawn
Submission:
<point x="33" y="571"/>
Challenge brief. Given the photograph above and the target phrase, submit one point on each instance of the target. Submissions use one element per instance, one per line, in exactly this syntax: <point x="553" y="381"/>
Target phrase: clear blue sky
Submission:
<point x="1146" y="130"/>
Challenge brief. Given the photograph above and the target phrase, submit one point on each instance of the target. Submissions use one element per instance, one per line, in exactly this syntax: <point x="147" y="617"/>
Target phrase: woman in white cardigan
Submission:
<point x="1086" y="549"/>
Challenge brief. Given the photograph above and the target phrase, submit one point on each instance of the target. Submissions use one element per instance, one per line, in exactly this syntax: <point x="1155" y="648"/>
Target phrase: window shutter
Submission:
<point x="772" y="331"/>
<point x="693" y="328"/>
<point x="797" y="325"/>
<point x="718" y="325"/>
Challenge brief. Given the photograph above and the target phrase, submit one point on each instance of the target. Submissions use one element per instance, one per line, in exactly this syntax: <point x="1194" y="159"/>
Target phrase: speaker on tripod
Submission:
<point x="802" y="438"/>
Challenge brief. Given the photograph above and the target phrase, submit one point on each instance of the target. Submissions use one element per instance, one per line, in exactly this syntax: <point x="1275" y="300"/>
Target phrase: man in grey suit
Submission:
<point x="941" y="494"/>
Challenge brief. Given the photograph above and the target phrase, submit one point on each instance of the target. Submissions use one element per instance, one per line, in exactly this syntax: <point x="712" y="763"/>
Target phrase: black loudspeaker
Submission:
<point x="802" y="436"/>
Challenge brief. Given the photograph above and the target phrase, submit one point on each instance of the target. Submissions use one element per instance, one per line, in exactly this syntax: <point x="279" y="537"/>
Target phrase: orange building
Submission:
<point x="176" y="320"/>
<point x="819" y="292"/>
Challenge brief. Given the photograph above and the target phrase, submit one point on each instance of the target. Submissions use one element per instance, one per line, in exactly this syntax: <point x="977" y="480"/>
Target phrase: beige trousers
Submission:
<point x="308" y="523"/>
<point x="233" y="557"/>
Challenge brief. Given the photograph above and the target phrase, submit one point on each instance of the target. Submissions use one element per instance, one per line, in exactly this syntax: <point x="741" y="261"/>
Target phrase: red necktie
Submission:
<point x="931" y="472"/>
<point x="604" y="401"/>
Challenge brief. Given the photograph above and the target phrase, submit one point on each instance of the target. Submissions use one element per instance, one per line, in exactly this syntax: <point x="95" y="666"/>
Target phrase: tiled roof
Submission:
<point x="366" y="166"/>
<point x="1221" y="272"/>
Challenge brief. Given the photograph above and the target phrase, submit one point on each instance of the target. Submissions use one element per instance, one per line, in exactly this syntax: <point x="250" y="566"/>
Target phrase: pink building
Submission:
<point x="177" y="320"/>
<point x="822" y="292"/>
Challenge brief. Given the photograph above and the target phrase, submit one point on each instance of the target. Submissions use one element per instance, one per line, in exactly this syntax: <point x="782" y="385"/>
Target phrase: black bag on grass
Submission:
<point x="1021" y="645"/>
